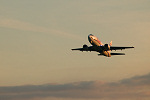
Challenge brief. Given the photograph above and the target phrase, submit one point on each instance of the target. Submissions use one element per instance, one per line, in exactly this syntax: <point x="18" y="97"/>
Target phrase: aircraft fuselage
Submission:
<point x="98" y="45"/>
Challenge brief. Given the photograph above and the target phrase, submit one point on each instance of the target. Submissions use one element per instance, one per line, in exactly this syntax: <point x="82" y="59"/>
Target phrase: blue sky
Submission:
<point x="36" y="38"/>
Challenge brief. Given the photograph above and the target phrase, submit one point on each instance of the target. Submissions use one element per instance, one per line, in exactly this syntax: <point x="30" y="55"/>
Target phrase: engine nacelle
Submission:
<point x="107" y="47"/>
<point x="85" y="47"/>
<point x="107" y="53"/>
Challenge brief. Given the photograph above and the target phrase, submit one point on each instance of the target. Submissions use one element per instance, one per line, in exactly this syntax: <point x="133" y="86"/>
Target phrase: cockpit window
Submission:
<point x="93" y="37"/>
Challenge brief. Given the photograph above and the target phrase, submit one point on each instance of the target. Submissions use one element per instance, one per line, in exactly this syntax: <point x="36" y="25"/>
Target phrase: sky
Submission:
<point x="36" y="61"/>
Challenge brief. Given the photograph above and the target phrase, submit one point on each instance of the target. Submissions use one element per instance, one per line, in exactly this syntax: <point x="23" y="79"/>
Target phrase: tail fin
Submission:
<point x="110" y="44"/>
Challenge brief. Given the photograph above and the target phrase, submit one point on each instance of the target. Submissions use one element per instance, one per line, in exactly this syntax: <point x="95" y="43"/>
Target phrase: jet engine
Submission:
<point x="85" y="47"/>
<point x="107" y="47"/>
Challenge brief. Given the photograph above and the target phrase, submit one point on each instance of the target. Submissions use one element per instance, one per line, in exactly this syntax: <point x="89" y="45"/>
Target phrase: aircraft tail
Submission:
<point x="110" y="44"/>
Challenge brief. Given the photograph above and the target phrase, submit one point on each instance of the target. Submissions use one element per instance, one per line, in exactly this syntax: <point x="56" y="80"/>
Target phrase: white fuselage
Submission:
<point x="95" y="42"/>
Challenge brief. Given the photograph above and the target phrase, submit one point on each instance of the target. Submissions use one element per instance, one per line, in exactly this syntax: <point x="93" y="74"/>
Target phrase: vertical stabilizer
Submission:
<point x="110" y="43"/>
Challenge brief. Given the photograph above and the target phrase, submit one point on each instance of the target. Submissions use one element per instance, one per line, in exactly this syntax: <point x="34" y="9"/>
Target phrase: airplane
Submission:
<point x="98" y="46"/>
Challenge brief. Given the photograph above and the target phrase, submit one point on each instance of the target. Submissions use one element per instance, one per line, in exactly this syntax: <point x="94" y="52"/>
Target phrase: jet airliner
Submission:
<point x="103" y="49"/>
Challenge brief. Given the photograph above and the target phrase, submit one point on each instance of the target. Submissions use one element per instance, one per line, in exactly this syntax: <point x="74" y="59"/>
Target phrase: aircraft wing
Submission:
<point x="91" y="48"/>
<point x="80" y="49"/>
<point x="119" y="48"/>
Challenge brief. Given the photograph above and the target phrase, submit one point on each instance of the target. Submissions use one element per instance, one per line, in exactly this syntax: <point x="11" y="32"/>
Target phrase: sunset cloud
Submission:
<point x="134" y="88"/>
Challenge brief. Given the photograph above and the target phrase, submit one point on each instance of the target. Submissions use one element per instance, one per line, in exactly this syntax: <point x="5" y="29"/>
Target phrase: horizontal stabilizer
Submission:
<point x="119" y="48"/>
<point x="117" y="53"/>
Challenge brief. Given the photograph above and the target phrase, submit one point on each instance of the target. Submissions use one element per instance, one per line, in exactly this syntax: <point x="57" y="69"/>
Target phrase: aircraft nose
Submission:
<point x="90" y="35"/>
<point x="89" y="38"/>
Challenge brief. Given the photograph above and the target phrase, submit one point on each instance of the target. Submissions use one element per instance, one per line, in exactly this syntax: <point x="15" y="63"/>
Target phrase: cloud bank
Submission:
<point x="135" y="88"/>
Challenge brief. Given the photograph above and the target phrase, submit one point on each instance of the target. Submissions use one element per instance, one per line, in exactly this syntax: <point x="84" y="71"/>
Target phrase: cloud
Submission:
<point x="137" y="80"/>
<point x="26" y="26"/>
<point x="136" y="88"/>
